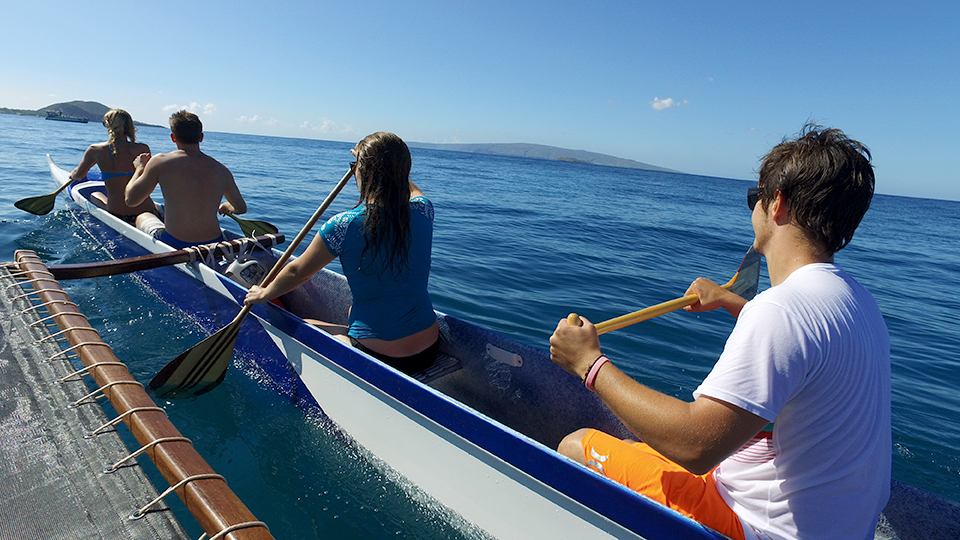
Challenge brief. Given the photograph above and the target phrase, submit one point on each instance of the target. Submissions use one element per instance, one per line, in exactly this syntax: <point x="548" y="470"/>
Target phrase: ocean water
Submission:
<point x="518" y="245"/>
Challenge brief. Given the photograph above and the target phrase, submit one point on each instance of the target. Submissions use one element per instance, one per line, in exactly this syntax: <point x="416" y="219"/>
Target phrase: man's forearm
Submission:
<point x="695" y="435"/>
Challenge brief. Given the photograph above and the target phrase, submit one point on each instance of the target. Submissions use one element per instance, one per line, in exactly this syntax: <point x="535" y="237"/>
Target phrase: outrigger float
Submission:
<point x="476" y="431"/>
<point x="65" y="471"/>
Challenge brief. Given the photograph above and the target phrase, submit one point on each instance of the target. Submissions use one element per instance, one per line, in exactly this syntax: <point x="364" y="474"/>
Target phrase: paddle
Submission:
<point x="43" y="204"/>
<point x="252" y="227"/>
<point x="743" y="283"/>
<point x="203" y="367"/>
<point x="156" y="260"/>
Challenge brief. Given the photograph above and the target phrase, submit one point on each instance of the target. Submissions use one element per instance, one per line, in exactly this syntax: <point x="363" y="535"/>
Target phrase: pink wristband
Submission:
<point x="594" y="370"/>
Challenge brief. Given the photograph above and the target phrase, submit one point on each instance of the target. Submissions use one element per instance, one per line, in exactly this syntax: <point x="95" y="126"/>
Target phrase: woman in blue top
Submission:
<point x="384" y="246"/>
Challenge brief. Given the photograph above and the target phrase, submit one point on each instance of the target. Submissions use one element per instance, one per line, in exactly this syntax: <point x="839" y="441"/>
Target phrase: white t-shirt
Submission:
<point x="813" y="355"/>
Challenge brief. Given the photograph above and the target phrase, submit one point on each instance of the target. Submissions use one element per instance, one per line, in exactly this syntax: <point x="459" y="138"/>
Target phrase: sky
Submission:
<point x="705" y="88"/>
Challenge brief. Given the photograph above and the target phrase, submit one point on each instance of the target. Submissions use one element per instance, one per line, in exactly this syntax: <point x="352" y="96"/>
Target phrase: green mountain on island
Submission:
<point x="539" y="151"/>
<point x="91" y="110"/>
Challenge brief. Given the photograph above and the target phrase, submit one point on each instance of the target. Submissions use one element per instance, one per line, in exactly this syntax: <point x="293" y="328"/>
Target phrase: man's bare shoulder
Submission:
<point x="167" y="158"/>
<point x="212" y="165"/>
<point x="223" y="168"/>
<point x="180" y="164"/>
<point x="175" y="154"/>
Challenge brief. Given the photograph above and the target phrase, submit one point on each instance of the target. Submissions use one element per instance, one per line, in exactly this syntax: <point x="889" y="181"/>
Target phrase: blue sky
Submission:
<point x="701" y="87"/>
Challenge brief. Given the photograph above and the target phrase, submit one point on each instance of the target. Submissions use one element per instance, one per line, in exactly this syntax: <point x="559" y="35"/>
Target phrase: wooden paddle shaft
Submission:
<point x="204" y="365"/>
<point x="63" y="187"/>
<point x="306" y="229"/>
<point x="156" y="260"/>
<point x="647" y="313"/>
<point x="299" y="238"/>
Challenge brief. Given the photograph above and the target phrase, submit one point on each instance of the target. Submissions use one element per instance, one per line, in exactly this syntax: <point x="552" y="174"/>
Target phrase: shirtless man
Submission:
<point x="115" y="160"/>
<point x="193" y="185"/>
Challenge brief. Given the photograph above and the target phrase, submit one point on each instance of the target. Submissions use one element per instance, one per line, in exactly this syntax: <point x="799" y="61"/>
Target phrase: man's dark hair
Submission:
<point x="826" y="181"/>
<point x="186" y="127"/>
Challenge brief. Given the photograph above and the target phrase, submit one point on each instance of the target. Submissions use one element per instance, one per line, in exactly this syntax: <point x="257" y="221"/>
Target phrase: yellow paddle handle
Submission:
<point x="646" y="313"/>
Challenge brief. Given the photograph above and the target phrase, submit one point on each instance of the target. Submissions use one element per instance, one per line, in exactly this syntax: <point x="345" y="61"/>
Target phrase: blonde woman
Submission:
<point x="115" y="160"/>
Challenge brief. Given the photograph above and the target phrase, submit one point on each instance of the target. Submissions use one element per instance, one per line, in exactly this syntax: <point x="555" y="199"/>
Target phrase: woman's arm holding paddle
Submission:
<point x="294" y="274"/>
<point x="88" y="161"/>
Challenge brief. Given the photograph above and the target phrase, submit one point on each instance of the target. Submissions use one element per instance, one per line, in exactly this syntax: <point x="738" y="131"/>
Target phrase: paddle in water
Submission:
<point x="43" y="204"/>
<point x="252" y="227"/>
<point x="203" y="367"/>
<point x="743" y="283"/>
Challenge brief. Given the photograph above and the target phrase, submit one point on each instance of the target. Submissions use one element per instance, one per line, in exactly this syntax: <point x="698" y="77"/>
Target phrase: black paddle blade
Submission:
<point x="748" y="276"/>
<point x="253" y="228"/>
<point x="199" y="369"/>
<point x="40" y="206"/>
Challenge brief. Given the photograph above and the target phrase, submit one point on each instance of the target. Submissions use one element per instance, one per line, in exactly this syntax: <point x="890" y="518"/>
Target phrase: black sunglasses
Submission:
<point x="753" y="195"/>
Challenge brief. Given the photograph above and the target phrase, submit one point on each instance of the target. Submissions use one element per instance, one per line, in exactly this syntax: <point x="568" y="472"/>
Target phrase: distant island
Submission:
<point x="93" y="111"/>
<point x="539" y="151"/>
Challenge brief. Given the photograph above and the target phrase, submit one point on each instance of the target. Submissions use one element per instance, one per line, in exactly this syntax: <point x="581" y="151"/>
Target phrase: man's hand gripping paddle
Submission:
<point x="743" y="283"/>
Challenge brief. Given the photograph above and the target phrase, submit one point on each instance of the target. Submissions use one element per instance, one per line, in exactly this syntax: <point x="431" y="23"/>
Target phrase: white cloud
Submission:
<point x="257" y="119"/>
<point x="326" y="126"/>
<point x="194" y="107"/>
<point x="660" y="104"/>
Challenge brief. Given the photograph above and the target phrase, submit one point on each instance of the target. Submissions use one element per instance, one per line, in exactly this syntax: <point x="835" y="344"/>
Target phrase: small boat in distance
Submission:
<point x="59" y="115"/>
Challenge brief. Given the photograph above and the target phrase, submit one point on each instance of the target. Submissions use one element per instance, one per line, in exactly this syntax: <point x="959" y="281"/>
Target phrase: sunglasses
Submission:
<point x="753" y="195"/>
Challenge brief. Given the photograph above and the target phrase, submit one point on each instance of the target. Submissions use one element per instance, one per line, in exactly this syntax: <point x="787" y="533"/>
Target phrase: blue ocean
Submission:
<point x="518" y="244"/>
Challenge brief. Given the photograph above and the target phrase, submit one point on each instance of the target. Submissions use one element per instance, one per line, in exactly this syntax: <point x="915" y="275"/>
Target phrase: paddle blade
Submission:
<point x="199" y="369"/>
<point x="253" y="227"/>
<point x="40" y="206"/>
<point x="747" y="280"/>
<point x="744" y="283"/>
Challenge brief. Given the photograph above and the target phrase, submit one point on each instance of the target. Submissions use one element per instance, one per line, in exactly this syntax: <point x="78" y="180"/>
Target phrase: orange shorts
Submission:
<point x="644" y="470"/>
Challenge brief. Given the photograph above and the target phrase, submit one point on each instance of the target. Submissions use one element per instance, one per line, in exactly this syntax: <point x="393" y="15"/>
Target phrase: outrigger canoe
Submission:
<point x="476" y="431"/>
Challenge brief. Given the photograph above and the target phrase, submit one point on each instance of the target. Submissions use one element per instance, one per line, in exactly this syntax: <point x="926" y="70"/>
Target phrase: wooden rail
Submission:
<point x="214" y="505"/>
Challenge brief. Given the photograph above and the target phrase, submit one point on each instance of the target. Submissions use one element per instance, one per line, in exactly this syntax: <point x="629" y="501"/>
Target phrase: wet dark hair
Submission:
<point x="826" y="180"/>
<point x="186" y="127"/>
<point x="383" y="165"/>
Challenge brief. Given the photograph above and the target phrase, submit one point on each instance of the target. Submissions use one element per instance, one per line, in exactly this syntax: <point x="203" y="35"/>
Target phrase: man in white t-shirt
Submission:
<point x="811" y="355"/>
